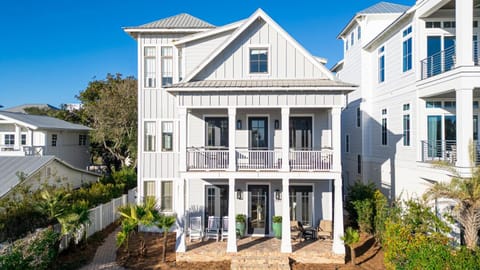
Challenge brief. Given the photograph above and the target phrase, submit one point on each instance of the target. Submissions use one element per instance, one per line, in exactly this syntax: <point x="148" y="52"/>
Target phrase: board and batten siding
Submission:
<point x="285" y="61"/>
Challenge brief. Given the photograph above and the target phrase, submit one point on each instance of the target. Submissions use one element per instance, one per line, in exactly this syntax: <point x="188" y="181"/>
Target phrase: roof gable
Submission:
<point x="180" y="21"/>
<point x="41" y="121"/>
<point x="255" y="17"/>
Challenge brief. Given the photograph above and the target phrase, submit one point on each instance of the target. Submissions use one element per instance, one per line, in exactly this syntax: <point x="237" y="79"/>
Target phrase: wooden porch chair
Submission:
<point x="213" y="228"/>
<point x="295" y="232"/>
<point x="325" y="229"/>
<point x="195" y="229"/>
<point x="224" y="232"/>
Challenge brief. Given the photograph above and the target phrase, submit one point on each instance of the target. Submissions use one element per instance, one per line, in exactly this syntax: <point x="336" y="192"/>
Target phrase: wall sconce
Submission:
<point x="239" y="194"/>
<point x="239" y="124"/>
<point x="277" y="124"/>
<point x="278" y="195"/>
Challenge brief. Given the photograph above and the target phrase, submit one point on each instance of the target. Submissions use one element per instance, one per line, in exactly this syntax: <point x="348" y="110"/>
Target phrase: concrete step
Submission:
<point x="247" y="262"/>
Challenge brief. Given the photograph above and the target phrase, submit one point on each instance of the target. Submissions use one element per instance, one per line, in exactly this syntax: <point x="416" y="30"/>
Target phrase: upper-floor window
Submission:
<point x="433" y="104"/>
<point x="436" y="24"/>
<point x="180" y="64"/>
<point x="407" y="49"/>
<point x="347" y="143"/>
<point x="352" y="38"/>
<point x="150" y="71"/>
<point x="82" y="139"/>
<point x="150" y="136"/>
<point x="384" y="127"/>
<point x="54" y="139"/>
<point x="167" y="136"/>
<point x="9" y="139"/>
<point x="359" y="32"/>
<point x="259" y="60"/>
<point x="216" y="134"/>
<point x="406" y="124"/>
<point x="23" y="139"/>
<point x="167" y="65"/>
<point x="381" y="64"/>
<point x="359" y="117"/>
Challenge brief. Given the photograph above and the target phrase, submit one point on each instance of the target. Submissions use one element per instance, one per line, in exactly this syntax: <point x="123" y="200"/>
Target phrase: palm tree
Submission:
<point x="466" y="194"/>
<point x="53" y="203"/>
<point x="350" y="238"/>
<point x="165" y="223"/>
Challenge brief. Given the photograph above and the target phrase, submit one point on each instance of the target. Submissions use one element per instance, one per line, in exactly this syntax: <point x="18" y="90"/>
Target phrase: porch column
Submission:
<point x="18" y="138"/>
<point x="232" y="118"/>
<point x="338" y="246"/>
<point x="464" y="129"/>
<point x="464" y="33"/>
<point x="29" y="137"/>
<point x="286" y="246"/>
<point x="336" y="139"/>
<point x="232" y="232"/>
<point x="182" y="116"/>
<point x="285" y="140"/>
<point x="180" y="245"/>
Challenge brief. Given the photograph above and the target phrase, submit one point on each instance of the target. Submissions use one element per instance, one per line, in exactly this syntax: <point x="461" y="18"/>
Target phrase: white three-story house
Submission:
<point x="238" y="119"/>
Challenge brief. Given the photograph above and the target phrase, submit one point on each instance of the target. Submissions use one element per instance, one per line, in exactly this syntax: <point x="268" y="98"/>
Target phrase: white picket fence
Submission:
<point x="102" y="216"/>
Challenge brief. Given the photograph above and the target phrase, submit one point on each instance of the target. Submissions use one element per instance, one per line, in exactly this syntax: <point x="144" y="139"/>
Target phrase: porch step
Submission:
<point x="260" y="262"/>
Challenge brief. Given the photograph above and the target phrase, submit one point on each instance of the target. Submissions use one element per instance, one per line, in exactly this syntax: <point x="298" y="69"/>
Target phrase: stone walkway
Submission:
<point x="105" y="256"/>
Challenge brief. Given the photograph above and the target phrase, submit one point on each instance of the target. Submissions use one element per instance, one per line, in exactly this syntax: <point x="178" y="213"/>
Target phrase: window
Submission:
<point x="449" y="24"/>
<point x="384" y="127"/>
<point x="82" y="139"/>
<point x="359" y="117"/>
<point x="23" y="138"/>
<point x="180" y="64"/>
<point x="359" y="32"/>
<point x="352" y="38"/>
<point x="54" y="139"/>
<point x="301" y="133"/>
<point x="433" y="24"/>
<point x="475" y="24"/>
<point x="149" y="189"/>
<point x="406" y="129"/>
<point x="150" y="136"/>
<point x="407" y="49"/>
<point x="475" y="104"/>
<point x="301" y="201"/>
<point x="150" y="73"/>
<point x="381" y="64"/>
<point x="475" y="127"/>
<point x="216" y="133"/>
<point x="9" y="139"/>
<point x="347" y="143"/>
<point x="166" y="196"/>
<point x="449" y="104"/>
<point x="434" y="104"/>
<point x="359" y="164"/>
<point x="167" y="136"/>
<point x="258" y="60"/>
<point x="167" y="65"/>
<point x="406" y="107"/>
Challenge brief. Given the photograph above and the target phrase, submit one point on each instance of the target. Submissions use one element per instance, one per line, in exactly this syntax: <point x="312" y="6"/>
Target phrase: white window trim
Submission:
<point x="379" y="55"/>
<point x="157" y="67"/>
<point x="405" y="38"/>
<point x="269" y="62"/>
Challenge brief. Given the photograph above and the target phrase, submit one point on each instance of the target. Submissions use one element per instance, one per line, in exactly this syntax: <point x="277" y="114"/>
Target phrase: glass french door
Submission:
<point x="258" y="209"/>
<point x="301" y="133"/>
<point x="216" y="201"/>
<point x="301" y="204"/>
<point x="434" y="47"/>
<point x="434" y="133"/>
<point x="258" y="129"/>
<point x="216" y="133"/>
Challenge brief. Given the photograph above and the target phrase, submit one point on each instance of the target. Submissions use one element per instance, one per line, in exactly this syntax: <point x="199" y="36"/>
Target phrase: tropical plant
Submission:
<point x="240" y="218"/>
<point x="165" y="223"/>
<point x="351" y="238"/>
<point x="277" y="219"/>
<point x="53" y="203"/>
<point x="75" y="220"/>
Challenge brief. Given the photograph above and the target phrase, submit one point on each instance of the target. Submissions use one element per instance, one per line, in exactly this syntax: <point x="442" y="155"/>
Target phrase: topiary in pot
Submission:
<point x="240" y="224"/>
<point x="277" y="226"/>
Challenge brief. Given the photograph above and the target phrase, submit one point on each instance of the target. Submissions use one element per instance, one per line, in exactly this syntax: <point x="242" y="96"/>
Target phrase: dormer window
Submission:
<point x="259" y="60"/>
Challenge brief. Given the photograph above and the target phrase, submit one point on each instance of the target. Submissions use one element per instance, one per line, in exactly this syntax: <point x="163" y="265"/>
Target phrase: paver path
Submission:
<point x="105" y="256"/>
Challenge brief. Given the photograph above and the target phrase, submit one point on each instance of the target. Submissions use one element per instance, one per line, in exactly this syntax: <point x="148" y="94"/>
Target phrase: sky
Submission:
<point x="51" y="49"/>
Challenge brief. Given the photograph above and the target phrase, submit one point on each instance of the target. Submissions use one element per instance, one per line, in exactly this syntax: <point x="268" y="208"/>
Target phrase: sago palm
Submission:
<point x="350" y="238"/>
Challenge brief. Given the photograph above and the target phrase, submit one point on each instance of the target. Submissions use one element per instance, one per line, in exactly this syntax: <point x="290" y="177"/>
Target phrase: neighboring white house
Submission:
<point x="39" y="170"/>
<point x="418" y="100"/>
<point x="33" y="135"/>
<point x="238" y="119"/>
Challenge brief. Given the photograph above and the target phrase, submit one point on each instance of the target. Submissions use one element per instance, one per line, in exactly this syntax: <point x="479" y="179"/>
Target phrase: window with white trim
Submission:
<point x="381" y="64"/>
<point x="384" y="127"/>
<point x="359" y="164"/>
<point x="9" y="139"/>
<point x="82" y="139"/>
<point x="149" y="190"/>
<point x="167" y="65"/>
<point x="259" y="60"/>
<point x="180" y="64"/>
<point x="407" y="49"/>
<point x="166" y="197"/>
<point x="150" y="136"/>
<point x="347" y="143"/>
<point x="150" y="70"/>
<point x="23" y="139"/>
<point x="406" y="124"/>
<point x="352" y="38"/>
<point x="54" y="140"/>
<point x="359" y="117"/>
<point x="359" y="32"/>
<point x="167" y="136"/>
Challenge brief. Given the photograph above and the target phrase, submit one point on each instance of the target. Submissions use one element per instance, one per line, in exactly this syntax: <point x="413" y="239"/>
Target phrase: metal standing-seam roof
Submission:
<point x="281" y="83"/>
<point x="384" y="7"/>
<point x="182" y="20"/>
<point x="43" y="122"/>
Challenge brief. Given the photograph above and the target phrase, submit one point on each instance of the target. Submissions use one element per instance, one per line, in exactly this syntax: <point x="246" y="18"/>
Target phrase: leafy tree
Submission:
<point x="63" y="114"/>
<point x="165" y="223"/>
<point x="351" y="238"/>
<point x="110" y="108"/>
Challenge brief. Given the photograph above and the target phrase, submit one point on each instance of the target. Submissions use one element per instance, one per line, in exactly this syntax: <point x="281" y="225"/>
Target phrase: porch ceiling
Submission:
<point x="451" y="94"/>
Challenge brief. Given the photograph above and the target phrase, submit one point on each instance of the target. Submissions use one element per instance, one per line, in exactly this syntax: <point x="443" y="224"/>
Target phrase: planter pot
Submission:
<point x="277" y="230"/>
<point x="240" y="228"/>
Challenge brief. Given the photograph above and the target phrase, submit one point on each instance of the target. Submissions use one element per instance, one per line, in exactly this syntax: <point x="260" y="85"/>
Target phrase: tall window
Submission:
<point x="407" y="49"/>
<point x="167" y="136"/>
<point x="259" y="60"/>
<point x="352" y="38"/>
<point x="384" y="127"/>
<point x="406" y="129"/>
<point x="180" y="64"/>
<point x="23" y="139"/>
<point x="167" y="65"/>
<point x="359" y="32"/>
<point x="359" y="117"/>
<point x="166" y="196"/>
<point x="216" y="132"/>
<point x="149" y="189"/>
<point x="301" y="133"/>
<point x="82" y="139"/>
<point x="347" y="143"/>
<point x="9" y="139"/>
<point x="359" y="164"/>
<point x="150" y="136"/>
<point x="54" y="139"/>
<point x="381" y="64"/>
<point x="150" y="74"/>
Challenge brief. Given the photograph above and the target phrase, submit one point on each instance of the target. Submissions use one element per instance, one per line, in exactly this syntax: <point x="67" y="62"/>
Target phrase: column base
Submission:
<point x="231" y="246"/>
<point x="286" y="248"/>
<point x="338" y="248"/>
<point x="180" y="245"/>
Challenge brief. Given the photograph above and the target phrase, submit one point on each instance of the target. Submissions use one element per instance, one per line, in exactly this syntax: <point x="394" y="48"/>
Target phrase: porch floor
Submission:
<point x="307" y="251"/>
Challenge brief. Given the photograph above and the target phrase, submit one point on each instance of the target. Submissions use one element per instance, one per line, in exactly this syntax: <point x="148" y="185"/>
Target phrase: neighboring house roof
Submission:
<point x="21" y="108"/>
<point x="389" y="29"/>
<point x="208" y="33"/>
<point x="272" y="85"/>
<point x="180" y="21"/>
<point x="41" y="122"/>
<point x="338" y="66"/>
<point x="10" y="167"/>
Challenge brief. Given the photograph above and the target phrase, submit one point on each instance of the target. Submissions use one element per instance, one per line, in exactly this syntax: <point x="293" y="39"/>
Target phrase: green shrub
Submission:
<point x="364" y="210"/>
<point x="358" y="192"/>
<point x="277" y="219"/>
<point x="381" y="214"/>
<point x="240" y="218"/>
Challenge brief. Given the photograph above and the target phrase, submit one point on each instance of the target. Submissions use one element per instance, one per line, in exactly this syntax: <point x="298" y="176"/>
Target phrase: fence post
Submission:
<point x="101" y="216"/>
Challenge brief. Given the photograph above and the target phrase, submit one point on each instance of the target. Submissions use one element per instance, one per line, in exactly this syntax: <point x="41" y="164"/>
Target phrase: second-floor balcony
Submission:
<point x="445" y="60"/>
<point x="444" y="151"/>
<point x="11" y="150"/>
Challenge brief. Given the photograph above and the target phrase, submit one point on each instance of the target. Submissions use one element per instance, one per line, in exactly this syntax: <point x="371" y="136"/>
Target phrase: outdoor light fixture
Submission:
<point x="278" y="195"/>
<point x="277" y="124"/>
<point x="239" y="193"/>
<point x="239" y="124"/>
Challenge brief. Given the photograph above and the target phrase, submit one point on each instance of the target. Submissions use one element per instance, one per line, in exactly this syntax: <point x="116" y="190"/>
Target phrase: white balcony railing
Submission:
<point x="259" y="159"/>
<point x="33" y="150"/>
<point x="204" y="159"/>
<point x="311" y="160"/>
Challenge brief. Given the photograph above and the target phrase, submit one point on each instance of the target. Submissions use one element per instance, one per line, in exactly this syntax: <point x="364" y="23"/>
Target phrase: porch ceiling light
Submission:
<point x="239" y="124"/>
<point x="278" y="195"/>
<point x="239" y="193"/>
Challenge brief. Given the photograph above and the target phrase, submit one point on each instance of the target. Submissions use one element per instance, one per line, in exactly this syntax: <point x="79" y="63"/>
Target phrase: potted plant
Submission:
<point x="277" y="226"/>
<point x="240" y="224"/>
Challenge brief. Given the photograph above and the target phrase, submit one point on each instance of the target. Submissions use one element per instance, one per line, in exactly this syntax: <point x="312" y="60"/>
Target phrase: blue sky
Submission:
<point x="51" y="49"/>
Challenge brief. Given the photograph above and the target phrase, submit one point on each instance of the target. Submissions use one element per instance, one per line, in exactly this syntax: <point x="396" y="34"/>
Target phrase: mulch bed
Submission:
<point x="77" y="256"/>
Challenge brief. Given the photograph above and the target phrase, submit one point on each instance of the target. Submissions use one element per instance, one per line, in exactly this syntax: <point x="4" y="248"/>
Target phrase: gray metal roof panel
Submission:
<point x="180" y="21"/>
<point x="280" y="83"/>
<point x="43" y="122"/>
<point x="21" y="108"/>
<point x="385" y="7"/>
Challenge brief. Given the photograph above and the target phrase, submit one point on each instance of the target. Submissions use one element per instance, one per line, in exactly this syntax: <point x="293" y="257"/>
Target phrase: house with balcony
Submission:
<point x="418" y="97"/>
<point x="238" y="119"/>
<point x="35" y="135"/>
